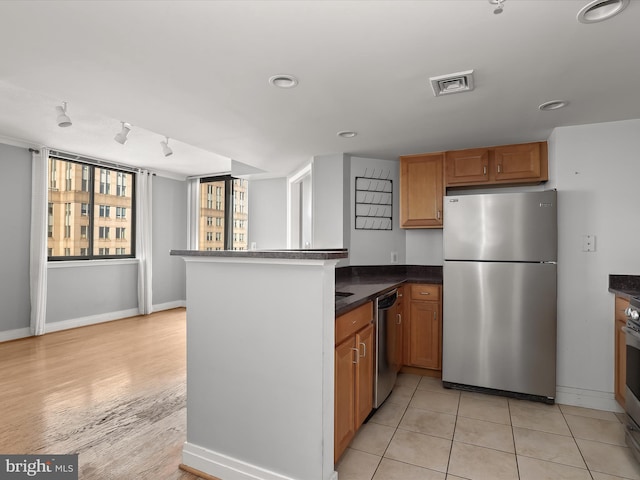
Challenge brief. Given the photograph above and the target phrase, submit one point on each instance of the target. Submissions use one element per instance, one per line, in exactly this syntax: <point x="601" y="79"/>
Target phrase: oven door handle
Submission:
<point x="631" y="332"/>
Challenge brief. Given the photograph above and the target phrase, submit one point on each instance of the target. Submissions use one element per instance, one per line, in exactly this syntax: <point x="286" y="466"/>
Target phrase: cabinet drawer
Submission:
<point x="351" y="322"/>
<point x="429" y="293"/>
<point x="621" y="305"/>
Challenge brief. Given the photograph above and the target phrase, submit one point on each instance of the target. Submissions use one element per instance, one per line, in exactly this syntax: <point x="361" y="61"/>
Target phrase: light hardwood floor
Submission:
<point x="114" y="393"/>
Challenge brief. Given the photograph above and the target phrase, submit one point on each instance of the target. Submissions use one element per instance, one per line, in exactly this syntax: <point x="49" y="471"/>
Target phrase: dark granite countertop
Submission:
<point x="365" y="283"/>
<point x="625" y="285"/>
<point x="303" y="254"/>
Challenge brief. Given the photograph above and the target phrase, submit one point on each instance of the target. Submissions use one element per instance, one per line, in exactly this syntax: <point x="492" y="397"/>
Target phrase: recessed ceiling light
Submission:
<point x="347" y="134"/>
<point x="600" y="10"/>
<point x="283" y="81"/>
<point x="553" y="105"/>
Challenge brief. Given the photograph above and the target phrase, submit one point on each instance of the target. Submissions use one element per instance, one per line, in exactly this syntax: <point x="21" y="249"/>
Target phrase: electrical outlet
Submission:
<point x="588" y="243"/>
<point x="394" y="257"/>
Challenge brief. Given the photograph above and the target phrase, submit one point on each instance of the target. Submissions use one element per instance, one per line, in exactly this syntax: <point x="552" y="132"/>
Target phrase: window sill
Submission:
<point x="92" y="263"/>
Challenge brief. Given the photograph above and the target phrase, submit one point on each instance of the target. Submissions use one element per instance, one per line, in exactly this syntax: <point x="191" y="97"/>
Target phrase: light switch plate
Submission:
<point x="588" y="243"/>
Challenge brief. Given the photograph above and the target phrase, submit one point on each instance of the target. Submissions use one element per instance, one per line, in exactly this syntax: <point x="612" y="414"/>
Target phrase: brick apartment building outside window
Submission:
<point x="223" y="213"/>
<point x="81" y="200"/>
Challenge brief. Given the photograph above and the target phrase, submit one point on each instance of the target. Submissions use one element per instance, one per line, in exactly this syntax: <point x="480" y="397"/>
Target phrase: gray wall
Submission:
<point x="268" y="213"/>
<point x="15" y="217"/>
<point x="169" y="233"/>
<point x="83" y="292"/>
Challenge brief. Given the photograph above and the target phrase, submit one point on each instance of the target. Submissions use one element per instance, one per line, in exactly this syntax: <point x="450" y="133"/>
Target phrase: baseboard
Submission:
<point x="587" y="398"/>
<point x="218" y="465"/>
<point x="169" y="305"/>
<point x="90" y="320"/>
<point x="15" y="334"/>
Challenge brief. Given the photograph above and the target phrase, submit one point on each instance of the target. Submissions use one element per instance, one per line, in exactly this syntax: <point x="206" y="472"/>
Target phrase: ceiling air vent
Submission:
<point x="452" y="83"/>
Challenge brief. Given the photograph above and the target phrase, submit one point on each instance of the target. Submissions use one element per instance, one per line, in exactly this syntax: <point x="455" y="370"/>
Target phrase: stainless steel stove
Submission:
<point x="632" y="397"/>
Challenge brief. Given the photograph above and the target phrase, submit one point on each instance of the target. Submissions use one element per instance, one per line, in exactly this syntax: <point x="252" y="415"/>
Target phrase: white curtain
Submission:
<point x="38" y="247"/>
<point x="143" y="240"/>
<point x="193" y="212"/>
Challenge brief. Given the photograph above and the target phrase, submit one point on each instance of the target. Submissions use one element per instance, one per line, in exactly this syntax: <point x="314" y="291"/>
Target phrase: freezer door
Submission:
<point x="499" y="326"/>
<point x="501" y="227"/>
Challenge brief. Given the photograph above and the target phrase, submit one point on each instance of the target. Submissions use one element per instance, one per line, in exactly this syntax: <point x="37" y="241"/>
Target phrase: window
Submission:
<point x="121" y="184"/>
<point x="209" y="236"/>
<point x="105" y="211"/>
<point x="80" y="223"/>
<point x="225" y="199"/>
<point x="105" y="181"/>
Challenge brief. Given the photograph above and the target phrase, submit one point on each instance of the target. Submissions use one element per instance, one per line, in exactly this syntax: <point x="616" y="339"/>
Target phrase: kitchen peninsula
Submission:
<point x="260" y="373"/>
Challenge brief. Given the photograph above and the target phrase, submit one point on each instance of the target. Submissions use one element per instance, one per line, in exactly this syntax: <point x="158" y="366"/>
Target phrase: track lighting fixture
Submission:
<point x="121" y="137"/>
<point x="165" y="147"/>
<point x="63" y="119"/>
<point x="499" y="6"/>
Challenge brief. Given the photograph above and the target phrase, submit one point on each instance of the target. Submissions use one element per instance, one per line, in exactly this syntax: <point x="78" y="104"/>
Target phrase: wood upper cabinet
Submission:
<point x="506" y="164"/>
<point x="423" y="327"/>
<point x="620" y="320"/>
<point x="467" y="166"/>
<point x="421" y="190"/>
<point x="354" y="363"/>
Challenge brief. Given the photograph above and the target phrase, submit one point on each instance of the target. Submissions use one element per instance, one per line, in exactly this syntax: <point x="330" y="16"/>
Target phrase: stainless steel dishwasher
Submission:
<point x="386" y="371"/>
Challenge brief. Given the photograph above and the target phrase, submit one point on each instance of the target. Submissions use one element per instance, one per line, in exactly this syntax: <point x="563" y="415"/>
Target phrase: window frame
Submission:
<point x="94" y="167"/>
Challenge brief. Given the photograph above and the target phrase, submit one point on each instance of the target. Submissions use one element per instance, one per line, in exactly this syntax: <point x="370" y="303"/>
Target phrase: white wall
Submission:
<point x="597" y="171"/>
<point x="268" y="213"/>
<point x="374" y="247"/>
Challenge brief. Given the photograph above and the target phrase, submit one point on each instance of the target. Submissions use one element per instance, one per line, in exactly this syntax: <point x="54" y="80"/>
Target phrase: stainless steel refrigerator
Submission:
<point x="499" y="278"/>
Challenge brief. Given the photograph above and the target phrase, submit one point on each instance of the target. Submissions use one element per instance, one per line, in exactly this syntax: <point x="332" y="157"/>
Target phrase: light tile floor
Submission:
<point x="426" y="432"/>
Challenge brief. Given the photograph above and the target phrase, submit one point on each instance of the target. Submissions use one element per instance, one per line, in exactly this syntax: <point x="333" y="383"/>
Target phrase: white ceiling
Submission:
<point x="197" y="71"/>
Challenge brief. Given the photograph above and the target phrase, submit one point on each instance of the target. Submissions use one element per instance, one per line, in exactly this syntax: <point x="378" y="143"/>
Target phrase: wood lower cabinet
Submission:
<point x="395" y="328"/>
<point x="421" y="191"/>
<point x="506" y="164"/>
<point x="620" y="320"/>
<point x="423" y="327"/>
<point x="354" y="363"/>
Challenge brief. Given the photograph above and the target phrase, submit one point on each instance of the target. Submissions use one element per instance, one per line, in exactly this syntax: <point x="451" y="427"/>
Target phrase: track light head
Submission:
<point x="121" y="137"/>
<point x="63" y="119"/>
<point x="166" y="149"/>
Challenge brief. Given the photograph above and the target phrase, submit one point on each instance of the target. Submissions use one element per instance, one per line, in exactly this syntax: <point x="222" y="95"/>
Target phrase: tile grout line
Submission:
<point x="576" y="442"/>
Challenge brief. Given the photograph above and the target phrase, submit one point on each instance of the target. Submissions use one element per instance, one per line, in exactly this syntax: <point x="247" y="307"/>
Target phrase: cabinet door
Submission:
<point x="424" y="335"/>
<point x="621" y="363"/>
<point x="394" y="332"/>
<point x="421" y="191"/>
<point x="364" y="374"/>
<point x="620" y="350"/>
<point x="519" y="163"/>
<point x="345" y="396"/>
<point x="467" y="166"/>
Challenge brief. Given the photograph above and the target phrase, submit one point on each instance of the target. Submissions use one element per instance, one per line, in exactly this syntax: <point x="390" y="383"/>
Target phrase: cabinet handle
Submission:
<point x="399" y="319"/>
<point x="364" y="347"/>
<point x="357" y="354"/>
<point x="499" y="168"/>
<point x="425" y="293"/>
<point x="484" y="169"/>
<point x="434" y="315"/>
<point x="438" y="215"/>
